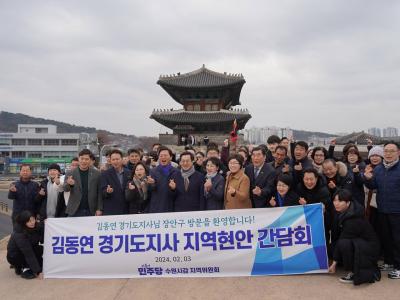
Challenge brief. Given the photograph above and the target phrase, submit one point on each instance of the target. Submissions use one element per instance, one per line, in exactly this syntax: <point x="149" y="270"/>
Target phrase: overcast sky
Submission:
<point x="331" y="66"/>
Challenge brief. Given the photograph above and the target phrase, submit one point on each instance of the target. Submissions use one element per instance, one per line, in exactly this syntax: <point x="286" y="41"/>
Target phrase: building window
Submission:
<point x="18" y="154"/>
<point x="207" y="107"/>
<point x="34" y="155"/>
<point x="41" y="130"/>
<point x="34" y="142"/>
<point x="196" y="107"/>
<point x="51" y="142"/>
<point x="49" y="154"/>
<point x="189" y="107"/>
<point x="6" y="142"/>
<point x="69" y="142"/>
<point x="18" y="142"/>
<point x="215" y="107"/>
<point x="67" y="154"/>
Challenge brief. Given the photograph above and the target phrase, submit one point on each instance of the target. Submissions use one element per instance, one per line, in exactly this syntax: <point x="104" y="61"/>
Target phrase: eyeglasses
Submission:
<point x="389" y="151"/>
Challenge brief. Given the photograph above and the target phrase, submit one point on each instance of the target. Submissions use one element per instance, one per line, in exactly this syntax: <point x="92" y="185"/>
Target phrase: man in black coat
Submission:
<point x="189" y="187"/>
<point x="24" y="193"/>
<point x="262" y="176"/>
<point x="113" y="183"/>
<point x="300" y="161"/>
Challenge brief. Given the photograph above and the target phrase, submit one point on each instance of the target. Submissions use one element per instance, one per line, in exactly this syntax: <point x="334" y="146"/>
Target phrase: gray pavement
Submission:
<point x="5" y="225"/>
<point x="5" y="219"/>
<point x="319" y="286"/>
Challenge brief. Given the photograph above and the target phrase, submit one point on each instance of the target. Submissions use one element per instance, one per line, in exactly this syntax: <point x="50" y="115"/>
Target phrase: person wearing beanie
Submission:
<point x="375" y="157"/>
<point x="376" y="151"/>
<point x="23" y="250"/>
<point x="284" y="195"/>
<point x="49" y="197"/>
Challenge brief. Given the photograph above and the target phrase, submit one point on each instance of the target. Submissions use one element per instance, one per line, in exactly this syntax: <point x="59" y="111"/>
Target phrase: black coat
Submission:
<point x="25" y="197"/>
<point x="319" y="194"/>
<point x="342" y="182"/>
<point x="357" y="190"/>
<point x="215" y="197"/>
<point x="290" y="199"/>
<point x="42" y="202"/>
<point x="306" y="163"/>
<point x="193" y="199"/>
<point x="23" y="241"/>
<point x="114" y="203"/>
<point x="265" y="181"/>
<point x="353" y="226"/>
<point x="136" y="202"/>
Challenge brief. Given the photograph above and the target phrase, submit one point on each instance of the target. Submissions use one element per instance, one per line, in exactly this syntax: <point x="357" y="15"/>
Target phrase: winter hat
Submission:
<point x="286" y="179"/>
<point x="376" y="150"/>
<point x="54" y="167"/>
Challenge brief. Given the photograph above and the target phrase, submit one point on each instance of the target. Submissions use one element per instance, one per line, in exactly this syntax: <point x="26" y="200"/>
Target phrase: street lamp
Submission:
<point x="102" y="149"/>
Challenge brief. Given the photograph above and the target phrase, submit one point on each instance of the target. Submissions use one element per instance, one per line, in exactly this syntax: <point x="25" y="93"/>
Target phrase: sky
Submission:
<point x="331" y="65"/>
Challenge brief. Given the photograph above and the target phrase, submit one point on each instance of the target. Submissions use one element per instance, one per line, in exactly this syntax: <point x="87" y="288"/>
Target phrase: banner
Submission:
<point x="242" y="242"/>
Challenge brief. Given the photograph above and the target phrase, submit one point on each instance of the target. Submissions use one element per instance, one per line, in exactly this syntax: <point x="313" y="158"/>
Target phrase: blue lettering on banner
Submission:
<point x="284" y="236"/>
<point x="176" y="223"/>
<point x="223" y="240"/>
<point x="73" y="245"/>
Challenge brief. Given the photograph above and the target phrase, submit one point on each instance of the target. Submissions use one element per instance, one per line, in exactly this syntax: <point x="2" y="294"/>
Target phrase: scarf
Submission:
<point x="52" y="196"/>
<point x="280" y="199"/>
<point x="186" y="174"/>
<point x="389" y="165"/>
<point x="141" y="188"/>
<point x="211" y="176"/>
<point x="317" y="167"/>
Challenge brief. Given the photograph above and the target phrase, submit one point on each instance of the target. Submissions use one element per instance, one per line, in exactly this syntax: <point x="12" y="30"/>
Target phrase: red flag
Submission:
<point x="233" y="134"/>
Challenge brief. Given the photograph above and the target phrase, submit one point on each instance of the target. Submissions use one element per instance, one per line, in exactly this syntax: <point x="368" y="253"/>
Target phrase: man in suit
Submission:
<point x="189" y="187"/>
<point x="113" y="184"/>
<point x="83" y="183"/>
<point x="160" y="180"/>
<point x="261" y="177"/>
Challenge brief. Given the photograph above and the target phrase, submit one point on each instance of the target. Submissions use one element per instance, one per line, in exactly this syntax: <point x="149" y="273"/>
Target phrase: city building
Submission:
<point x="259" y="136"/>
<point x="390" y="132"/>
<point x="375" y="131"/>
<point x="208" y="99"/>
<point x="41" y="145"/>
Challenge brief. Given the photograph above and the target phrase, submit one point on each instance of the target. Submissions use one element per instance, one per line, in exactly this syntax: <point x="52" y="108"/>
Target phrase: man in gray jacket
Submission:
<point x="84" y="184"/>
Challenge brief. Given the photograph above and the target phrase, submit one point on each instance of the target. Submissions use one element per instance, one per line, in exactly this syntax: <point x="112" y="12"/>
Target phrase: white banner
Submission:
<point x="243" y="242"/>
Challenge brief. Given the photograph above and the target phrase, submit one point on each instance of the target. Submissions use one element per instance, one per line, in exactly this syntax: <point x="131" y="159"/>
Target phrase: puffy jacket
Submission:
<point x="387" y="184"/>
<point x="25" y="197"/>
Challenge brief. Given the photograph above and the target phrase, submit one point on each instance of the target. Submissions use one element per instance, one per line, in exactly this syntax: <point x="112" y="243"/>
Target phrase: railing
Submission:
<point x="3" y="207"/>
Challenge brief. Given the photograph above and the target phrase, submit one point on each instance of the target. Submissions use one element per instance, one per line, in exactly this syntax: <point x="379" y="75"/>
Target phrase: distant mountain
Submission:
<point x="9" y="123"/>
<point x="302" y="135"/>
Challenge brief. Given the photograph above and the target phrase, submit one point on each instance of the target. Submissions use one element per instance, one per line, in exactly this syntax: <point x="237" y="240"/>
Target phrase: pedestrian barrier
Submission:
<point x="4" y="207"/>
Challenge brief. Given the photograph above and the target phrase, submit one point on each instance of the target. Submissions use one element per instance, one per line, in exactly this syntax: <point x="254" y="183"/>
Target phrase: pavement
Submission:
<point x="5" y="213"/>
<point x="315" y="286"/>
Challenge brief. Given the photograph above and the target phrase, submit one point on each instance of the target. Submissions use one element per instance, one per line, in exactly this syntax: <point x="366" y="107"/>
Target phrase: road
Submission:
<point x="5" y="220"/>
<point x="5" y="225"/>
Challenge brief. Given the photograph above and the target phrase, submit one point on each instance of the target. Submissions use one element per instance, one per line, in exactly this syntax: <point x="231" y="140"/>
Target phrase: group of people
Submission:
<point x="361" y="198"/>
